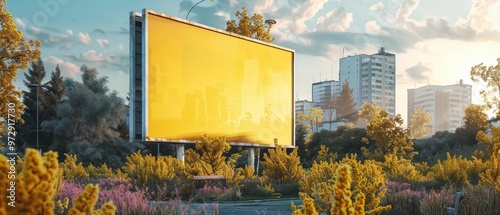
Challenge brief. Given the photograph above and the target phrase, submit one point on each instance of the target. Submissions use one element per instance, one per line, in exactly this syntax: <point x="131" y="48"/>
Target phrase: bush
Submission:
<point x="231" y="194"/>
<point x="208" y="193"/>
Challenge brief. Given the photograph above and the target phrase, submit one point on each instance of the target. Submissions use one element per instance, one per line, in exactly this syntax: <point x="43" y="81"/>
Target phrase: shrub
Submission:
<point x="73" y="170"/>
<point x="208" y="193"/>
<point x="480" y="200"/>
<point x="231" y="194"/>
<point x="434" y="202"/>
<point x="404" y="202"/>
<point x="282" y="167"/>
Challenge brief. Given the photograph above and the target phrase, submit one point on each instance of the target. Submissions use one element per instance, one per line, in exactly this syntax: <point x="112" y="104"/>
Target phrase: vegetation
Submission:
<point x="419" y="123"/>
<point x="346" y="106"/>
<point x="15" y="54"/>
<point x="253" y="26"/>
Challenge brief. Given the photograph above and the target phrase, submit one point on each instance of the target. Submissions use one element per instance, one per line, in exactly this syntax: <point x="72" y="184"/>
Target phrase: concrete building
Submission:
<point x="372" y="78"/>
<point x="304" y="106"/>
<point x="324" y="94"/>
<point x="445" y="103"/>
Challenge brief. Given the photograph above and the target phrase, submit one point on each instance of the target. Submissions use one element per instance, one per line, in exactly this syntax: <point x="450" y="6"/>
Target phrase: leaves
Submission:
<point x="346" y="106"/>
<point x="419" y="123"/>
<point x="253" y="26"/>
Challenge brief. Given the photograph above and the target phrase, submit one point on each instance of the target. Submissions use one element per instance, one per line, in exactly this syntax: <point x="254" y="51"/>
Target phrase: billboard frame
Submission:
<point x="144" y="79"/>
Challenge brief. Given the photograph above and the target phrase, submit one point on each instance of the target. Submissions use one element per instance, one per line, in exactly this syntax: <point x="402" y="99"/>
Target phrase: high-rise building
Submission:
<point x="445" y="103"/>
<point x="372" y="78"/>
<point x="324" y="94"/>
<point x="304" y="106"/>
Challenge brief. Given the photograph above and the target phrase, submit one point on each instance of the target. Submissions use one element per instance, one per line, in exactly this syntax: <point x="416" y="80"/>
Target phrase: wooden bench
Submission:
<point x="454" y="210"/>
<point x="210" y="180"/>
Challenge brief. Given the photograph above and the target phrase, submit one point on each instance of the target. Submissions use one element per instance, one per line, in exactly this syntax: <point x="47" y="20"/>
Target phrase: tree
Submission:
<point x="15" y="54"/>
<point x="281" y="167"/>
<point x="250" y="26"/>
<point x="475" y="120"/>
<point x="88" y="120"/>
<point x="490" y="75"/>
<point x="419" y="123"/>
<point x="346" y="106"/>
<point x="27" y="131"/>
<point x="387" y="133"/>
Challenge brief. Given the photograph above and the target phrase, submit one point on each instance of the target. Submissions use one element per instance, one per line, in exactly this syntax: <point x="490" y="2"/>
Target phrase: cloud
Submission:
<point x="223" y="14"/>
<point x="120" y="47"/>
<point x="70" y="32"/>
<point x="102" y="42"/>
<point x="374" y="28"/>
<point x="406" y="9"/>
<point x="477" y="17"/>
<point x="20" y="23"/>
<point x="84" y="38"/>
<point x="120" y="72"/>
<point x="102" y="59"/>
<point x="335" y="20"/>
<point x="419" y="72"/>
<point x="377" y="6"/>
<point x="67" y="68"/>
<point x="50" y="40"/>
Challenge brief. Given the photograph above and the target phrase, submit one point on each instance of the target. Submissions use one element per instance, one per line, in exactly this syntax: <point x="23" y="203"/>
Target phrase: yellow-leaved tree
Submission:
<point x="15" y="54"/>
<point x="253" y="26"/>
<point x="387" y="133"/>
<point x="419" y="123"/>
<point x="209" y="159"/>
<point x="491" y="76"/>
<point x="281" y="167"/>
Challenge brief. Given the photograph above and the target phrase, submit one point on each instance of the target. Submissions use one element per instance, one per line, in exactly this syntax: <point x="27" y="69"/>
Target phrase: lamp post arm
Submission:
<point x="193" y="8"/>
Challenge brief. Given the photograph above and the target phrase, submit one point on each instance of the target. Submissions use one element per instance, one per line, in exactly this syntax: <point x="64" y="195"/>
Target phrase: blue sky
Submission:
<point x="435" y="41"/>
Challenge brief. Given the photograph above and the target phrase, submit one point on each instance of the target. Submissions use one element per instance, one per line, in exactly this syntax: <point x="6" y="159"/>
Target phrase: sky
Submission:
<point x="435" y="41"/>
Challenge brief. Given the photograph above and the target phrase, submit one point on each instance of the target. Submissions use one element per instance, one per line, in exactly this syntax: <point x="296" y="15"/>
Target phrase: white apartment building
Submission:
<point x="372" y="78"/>
<point x="445" y="103"/>
<point x="324" y="94"/>
<point x="304" y="106"/>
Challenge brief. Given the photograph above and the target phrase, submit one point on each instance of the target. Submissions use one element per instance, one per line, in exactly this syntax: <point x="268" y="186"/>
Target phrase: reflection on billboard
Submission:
<point x="201" y="81"/>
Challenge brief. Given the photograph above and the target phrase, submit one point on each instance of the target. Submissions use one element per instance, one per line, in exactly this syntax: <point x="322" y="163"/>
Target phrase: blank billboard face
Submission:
<point x="203" y="81"/>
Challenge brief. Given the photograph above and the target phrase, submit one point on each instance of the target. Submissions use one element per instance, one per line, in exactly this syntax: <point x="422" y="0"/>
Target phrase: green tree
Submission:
<point x="15" y="53"/>
<point x="87" y="122"/>
<point x="346" y="106"/>
<point x="253" y="26"/>
<point x="491" y="76"/>
<point x="419" y="123"/>
<point x="27" y="131"/>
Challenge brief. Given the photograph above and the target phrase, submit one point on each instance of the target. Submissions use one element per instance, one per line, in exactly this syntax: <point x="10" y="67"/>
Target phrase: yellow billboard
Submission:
<point x="200" y="80"/>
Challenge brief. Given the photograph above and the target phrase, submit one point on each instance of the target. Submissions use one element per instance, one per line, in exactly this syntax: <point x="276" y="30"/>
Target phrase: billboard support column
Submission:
<point x="180" y="152"/>
<point x="258" y="161"/>
<point x="251" y="157"/>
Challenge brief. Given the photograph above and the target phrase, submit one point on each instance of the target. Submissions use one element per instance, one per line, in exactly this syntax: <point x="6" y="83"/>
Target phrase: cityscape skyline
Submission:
<point x="432" y="44"/>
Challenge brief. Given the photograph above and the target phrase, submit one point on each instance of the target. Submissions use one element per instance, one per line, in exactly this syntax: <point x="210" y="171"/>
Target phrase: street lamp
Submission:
<point x="268" y="22"/>
<point x="37" y="87"/>
<point x="193" y="7"/>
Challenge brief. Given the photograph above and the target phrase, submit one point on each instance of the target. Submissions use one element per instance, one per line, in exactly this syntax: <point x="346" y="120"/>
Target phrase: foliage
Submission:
<point x="15" y="54"/>
<point x="208" y="193"/>
<point x="281" y="167"/>
<point x="37" y="185"/>
<point x="419" y="123"/>
<point x="491" y="176"/>
<point x="148" y="169"/>
<point x="253" y="26"/>
<point x="88" y="122"/>
<point x="311" y="120"/>
<point x="480" y="200"/>
<point x="458" y="171"/>
<point x="85" y="201"/>
<point x="73" y="170"/>
<point x="346" y="106"/>
<point x="209" y="159"/>
<point x="398" y="168"/>
<point x="387" y="132"/>
<point x="491" y="76"/>
<point x="435" y="202"/>
<point x="368" y="178"/>
<point x="340" y="202"/>
<point x="404" y="202"/>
